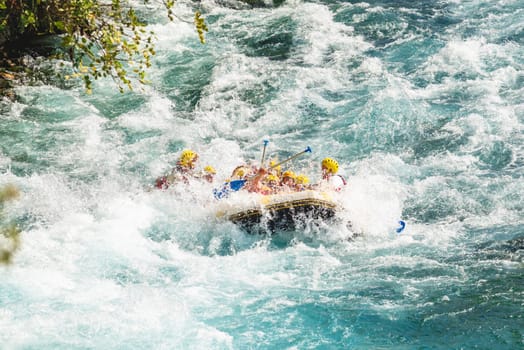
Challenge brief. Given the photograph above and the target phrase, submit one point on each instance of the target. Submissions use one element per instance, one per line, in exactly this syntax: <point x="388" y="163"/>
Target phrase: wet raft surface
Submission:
<point x="288" y="212"/>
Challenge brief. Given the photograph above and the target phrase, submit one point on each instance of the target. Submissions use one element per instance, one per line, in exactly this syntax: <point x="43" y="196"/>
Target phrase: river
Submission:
<point x="419" y="101"/>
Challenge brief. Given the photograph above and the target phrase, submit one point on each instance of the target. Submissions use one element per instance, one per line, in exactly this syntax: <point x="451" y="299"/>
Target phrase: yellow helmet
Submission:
<point x="302" y="179"/>
<point x="187" y="157"/>
<point x="272" y="163"/>
<point x="209" y="169"/>
<point x="288" y="173"/>
<point x="272" y="177"/>
<point x="330" y="165"/>
<point x="239" y="172"/>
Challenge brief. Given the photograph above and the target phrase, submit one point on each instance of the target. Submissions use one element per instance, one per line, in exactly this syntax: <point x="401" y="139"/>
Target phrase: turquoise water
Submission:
<point x="419" y="101"/>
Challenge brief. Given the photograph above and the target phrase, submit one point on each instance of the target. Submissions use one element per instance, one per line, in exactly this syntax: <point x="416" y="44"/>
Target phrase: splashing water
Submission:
<point x="421" y="104"/>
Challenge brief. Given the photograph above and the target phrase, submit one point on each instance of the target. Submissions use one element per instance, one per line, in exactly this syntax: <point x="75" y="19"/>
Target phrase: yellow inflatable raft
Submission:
<point x="284" y="211"/>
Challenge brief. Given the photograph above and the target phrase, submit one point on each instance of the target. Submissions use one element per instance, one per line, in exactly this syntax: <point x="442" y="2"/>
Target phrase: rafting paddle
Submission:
<point x="263" y="153"/>
<point x="307" y="150"/>
<point x="236" y="185"/>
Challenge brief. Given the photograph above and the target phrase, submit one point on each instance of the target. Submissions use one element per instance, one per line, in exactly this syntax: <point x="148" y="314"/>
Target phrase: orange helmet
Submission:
<point x="288" y="173"/>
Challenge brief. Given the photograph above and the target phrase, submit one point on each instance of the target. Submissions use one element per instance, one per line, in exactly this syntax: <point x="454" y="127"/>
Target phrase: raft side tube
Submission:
<point x="284" y="215"/>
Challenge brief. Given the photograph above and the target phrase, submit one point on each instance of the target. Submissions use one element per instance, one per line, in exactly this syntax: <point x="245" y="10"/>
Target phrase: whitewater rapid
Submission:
<point x="420" y="103"/>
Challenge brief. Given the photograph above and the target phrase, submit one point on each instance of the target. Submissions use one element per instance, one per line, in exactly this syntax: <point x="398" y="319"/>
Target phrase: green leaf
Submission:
<point x="59" y="25"/>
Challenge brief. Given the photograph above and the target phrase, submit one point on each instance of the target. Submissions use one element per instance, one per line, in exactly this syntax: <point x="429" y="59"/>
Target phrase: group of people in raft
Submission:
<point x="257" y="179"/>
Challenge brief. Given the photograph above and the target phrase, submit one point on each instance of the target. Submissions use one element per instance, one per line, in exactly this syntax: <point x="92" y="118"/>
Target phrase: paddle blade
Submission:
<point x="235" y="185"/>
<point x="226" y="189"/>
<point x="401" y="227"/>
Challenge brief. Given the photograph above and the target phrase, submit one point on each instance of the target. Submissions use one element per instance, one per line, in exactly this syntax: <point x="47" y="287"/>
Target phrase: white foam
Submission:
<point x="110" y="265"/>
<point x="155" y="114"/>
<point x="457" y="56"/>
<point x="373" y="204"/>
<point x="317" y="24"/>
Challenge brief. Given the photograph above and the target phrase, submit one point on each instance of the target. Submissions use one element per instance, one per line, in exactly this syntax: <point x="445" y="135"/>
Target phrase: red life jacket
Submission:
<point x="161" y="183"/>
